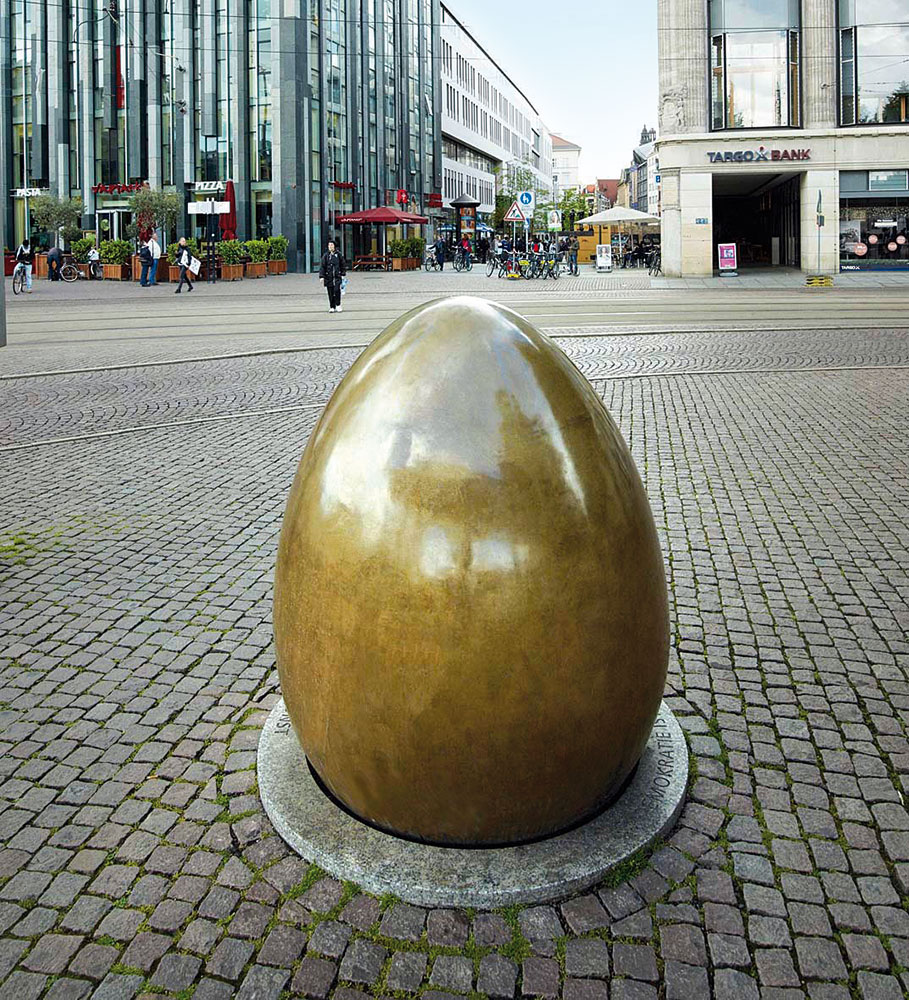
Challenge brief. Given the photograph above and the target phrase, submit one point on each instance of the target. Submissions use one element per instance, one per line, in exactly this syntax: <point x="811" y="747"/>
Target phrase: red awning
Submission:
<point x="382" y="215"/>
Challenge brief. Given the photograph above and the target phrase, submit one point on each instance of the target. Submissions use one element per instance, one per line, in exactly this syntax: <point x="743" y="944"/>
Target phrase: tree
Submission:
<point x="573" y="206"/>
<point x="519" y="177"/>
<point x="59" y="217"/>
<point x="153" y="208"/>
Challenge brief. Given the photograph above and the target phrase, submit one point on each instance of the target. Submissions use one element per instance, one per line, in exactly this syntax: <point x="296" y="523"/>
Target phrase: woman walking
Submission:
<point x="331" y="273"/>
<point x="184" y="256"/>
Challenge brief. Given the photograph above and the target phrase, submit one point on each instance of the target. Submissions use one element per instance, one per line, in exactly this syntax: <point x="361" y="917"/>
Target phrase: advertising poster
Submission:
<point x="604" y="257"/>
<point x="728" y="257"/>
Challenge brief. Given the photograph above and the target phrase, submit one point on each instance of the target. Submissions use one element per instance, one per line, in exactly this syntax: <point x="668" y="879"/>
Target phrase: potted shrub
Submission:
<point x="114" y="257"/>
<point x="173" y="269"/>
<point x="397" y="250"/>
<point x="80" y="249"/>
<point x="230" y="253"/>
<point x="277" y="254"/>
<point x="258" y="258"/>
<point x="416" y="247"/>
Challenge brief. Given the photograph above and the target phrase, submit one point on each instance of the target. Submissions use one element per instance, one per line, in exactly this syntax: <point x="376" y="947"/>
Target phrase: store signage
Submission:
<point x="117" y="188"/>
<point x="208" y="187"/>
<point x="208" y="208"/>
<point x="885" y="223"/>
<point x="434" y="200"/>
<point x="401" y="196"/>
<point x="728" y="256"/>
<point x="860" y="249"/>
<point x="28" y="192"/>
<point x="761" y="153"/>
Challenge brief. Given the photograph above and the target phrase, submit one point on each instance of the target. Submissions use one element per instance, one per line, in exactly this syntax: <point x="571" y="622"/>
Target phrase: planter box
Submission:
<point x="397" y="264"/>
<point x="257" y="269"/>
<point x="231" y="272"/>
<point x="413" y="263"/>
<point x="115" y="272"/>
<point x="136" y="265"/>
<point x="173" y="273"/>
<point x="9" y="264"/>
<point x="40" y="265"/>
<point x="277" y="267"/>
<point x="84" y="269"/>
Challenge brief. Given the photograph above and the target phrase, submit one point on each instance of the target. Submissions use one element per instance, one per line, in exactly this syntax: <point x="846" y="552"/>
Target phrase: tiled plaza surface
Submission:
<point x="137" y="669"/>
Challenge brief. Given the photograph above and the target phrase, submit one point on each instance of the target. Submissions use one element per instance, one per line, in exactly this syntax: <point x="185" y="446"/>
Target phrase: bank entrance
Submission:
<point x="760" y="213"/>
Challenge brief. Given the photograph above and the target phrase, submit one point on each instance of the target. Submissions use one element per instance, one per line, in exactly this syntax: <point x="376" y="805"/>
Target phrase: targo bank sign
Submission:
<point x="761" y="153"/>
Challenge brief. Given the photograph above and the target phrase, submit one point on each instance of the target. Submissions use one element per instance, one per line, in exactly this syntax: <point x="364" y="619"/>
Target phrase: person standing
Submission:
<point x="184" y="256"/>
<point x="440" y="252"/>
<point x="331" y="272"/>
<point x="25" y="256"/>
<point x="145" y="260"/>
<point x="465" y="250"/>
<point x="574" y="245"/>
<point x="54" y="263"/>
<point x="155" y="247"/>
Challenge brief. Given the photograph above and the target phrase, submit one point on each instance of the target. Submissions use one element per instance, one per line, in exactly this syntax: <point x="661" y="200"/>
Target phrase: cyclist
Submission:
<point x="465" y="250"/>
<point x="25" y="256"/>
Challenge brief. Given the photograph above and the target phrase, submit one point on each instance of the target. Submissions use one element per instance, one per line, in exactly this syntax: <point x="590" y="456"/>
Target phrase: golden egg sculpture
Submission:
<point x="470" y="601"/>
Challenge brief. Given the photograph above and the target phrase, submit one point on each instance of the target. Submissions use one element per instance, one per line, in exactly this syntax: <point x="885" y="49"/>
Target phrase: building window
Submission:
<point x="874" y="71"/>
<point x="754" y="63"/>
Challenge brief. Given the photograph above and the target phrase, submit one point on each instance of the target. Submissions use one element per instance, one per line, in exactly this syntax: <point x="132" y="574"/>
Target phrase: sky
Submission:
<point x="588" y="66"/>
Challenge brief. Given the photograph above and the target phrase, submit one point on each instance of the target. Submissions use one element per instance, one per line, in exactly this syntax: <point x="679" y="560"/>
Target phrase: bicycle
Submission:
<point x="430" y="261"/>
<point x="69" y="272"/>
<point x="656" y="265"/>
<point x="462" y="261"/>
<point x="19" y="278"/>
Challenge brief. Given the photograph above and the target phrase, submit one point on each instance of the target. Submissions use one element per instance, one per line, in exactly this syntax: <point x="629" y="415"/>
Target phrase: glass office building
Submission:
<point x="311" y="107"/>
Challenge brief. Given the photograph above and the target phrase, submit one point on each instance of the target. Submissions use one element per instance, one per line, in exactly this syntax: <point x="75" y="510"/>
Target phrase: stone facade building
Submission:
<point x="782" y="121"/>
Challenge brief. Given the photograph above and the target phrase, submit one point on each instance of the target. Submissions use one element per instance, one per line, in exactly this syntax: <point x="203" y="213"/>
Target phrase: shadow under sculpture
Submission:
<point x="470" y="600"/>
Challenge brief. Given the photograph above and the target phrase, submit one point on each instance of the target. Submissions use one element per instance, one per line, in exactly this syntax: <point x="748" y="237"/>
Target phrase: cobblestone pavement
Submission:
<point x="137" y="669"/>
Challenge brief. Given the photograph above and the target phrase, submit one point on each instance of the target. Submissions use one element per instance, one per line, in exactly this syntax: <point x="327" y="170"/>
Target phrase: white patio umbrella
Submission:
<point x="615" y="216"/>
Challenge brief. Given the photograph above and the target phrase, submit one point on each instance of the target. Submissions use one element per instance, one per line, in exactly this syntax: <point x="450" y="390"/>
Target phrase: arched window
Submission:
<point x="874" y="61"/>
<point x="754" y="56"/>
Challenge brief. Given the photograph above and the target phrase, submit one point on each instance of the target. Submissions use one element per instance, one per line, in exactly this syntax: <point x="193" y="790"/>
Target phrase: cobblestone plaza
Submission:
<point x="143" y="496"/>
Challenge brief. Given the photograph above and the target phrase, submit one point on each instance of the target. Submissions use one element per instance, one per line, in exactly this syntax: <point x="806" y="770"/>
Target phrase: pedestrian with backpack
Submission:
<point x="145" y="260"/>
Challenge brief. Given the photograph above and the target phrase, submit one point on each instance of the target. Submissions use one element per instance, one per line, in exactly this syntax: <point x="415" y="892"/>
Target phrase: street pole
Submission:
<point x="820" y="223"/>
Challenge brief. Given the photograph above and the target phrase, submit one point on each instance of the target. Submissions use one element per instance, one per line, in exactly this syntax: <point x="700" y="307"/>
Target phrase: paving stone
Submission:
<point x="52" y="953"/>
<point x="639" y="925"/>
<point x="728" y="950"/>
<point x="683" y="943"/>
<point x="637" y="961"/>
<point x="250" y="920"/>
<point x="685" y="981"/>
<point x="229" y="958"/>
<point x="497" y="977"/>
<point x="362" y="962"/>
<point x="490" y="930"/>
<point x="115" y="986"/>
<point x="585" y="989"/>
<point x="629" y="989"/>
<point x="539" y="977"/>
<point x="540" y="923"/>
<point x="775" y="967"/>
<point x="68" y="989"/>
<point x="585" y="913"/>
<point x="403" y="921"/>
<point x="873" y="986"/>
<point x="315" y="977"/>
<point x="283" y="946"/>
<point x="730" y="984"/>
<point x="176" y="972"/>
<point x="329" y="938"/>
<point x="200" y="936"/>
<point x="587" y="957"/>
<point x="23" y="986"/>
<point x="406" y="970"/>
<point x="145" y="949"/>
<point x="452" y="972"/>
<point x="263" y="983"/>
<point x="93" y="961"/>
<point x="448" y="928"/>
<point x="361" y="912"/>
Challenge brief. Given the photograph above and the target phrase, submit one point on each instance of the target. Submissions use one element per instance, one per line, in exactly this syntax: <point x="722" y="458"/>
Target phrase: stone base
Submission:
<point x="484" y="878"/>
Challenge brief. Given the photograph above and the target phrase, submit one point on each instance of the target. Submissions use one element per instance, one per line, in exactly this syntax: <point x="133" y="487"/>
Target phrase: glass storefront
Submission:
<point x="874" y="220"/>
<point x="874" y="70"/>
<point x="755" y="57"/>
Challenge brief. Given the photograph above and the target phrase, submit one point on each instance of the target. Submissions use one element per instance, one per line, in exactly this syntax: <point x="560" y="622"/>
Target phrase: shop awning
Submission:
<point x="388" y="216"/>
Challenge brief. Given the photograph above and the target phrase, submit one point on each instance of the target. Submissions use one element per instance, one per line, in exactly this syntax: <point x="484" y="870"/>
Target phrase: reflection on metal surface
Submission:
<point x="470" y="603"/>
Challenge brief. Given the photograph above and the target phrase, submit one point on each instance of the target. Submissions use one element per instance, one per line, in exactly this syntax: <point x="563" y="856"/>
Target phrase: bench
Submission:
<point x="371" y="262"/>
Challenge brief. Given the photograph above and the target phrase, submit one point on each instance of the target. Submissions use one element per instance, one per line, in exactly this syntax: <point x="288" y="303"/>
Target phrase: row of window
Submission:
<point x="755" y="63"/>
<point x="455" y="183"/>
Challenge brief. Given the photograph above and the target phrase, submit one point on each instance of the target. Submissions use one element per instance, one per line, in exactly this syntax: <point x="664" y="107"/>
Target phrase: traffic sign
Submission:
<point x="555" y="220"/>
<point x="514" y="214"/>
<point x="528" y="202"/>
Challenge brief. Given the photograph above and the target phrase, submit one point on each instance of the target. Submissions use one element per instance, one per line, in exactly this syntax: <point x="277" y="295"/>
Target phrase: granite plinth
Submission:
<point x="321" y="831"/>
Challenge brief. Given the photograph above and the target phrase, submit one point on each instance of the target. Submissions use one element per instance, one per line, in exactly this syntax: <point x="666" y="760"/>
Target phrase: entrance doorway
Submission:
<point x="761" y="214"/>
<point x="111" y="223"/>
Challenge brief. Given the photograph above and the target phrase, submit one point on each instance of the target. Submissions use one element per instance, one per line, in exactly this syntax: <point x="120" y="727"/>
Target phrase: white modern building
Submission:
<point x="488" y="125"/>
<point x="566" y="165"/>
<point x="784" y="121"/>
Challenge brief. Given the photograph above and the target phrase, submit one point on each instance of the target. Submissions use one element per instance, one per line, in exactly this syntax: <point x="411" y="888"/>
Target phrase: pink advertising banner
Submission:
<point x="728" y="256"/>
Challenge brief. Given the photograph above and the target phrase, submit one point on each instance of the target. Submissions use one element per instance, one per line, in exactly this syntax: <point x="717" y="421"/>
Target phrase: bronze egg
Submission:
<point x="470" y="600"/>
